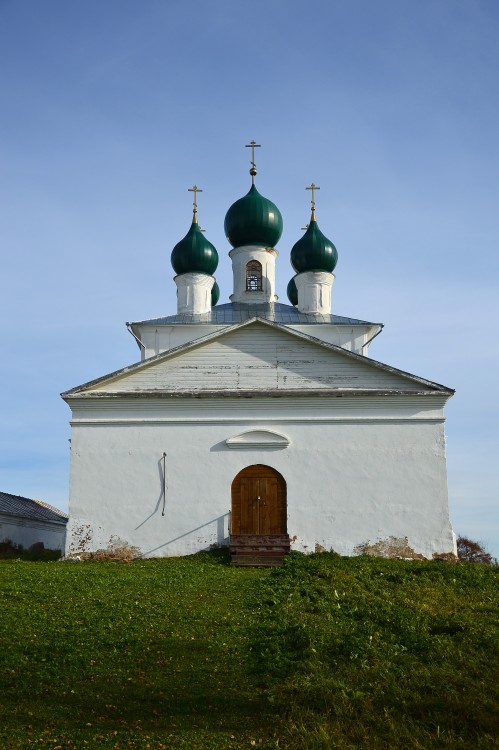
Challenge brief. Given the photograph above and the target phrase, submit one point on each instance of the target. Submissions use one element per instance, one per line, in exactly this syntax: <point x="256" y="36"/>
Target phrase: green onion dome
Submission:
<point x="314" y="252"/>
<point x="292" y="292"/>
<point x="194" y="254"/>
<point x="253" y="220"/>
<point x="215" y="294"/>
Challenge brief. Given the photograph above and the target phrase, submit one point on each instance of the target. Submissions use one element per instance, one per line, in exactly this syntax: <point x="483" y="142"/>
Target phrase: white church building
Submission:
<point x="256" y="424"/>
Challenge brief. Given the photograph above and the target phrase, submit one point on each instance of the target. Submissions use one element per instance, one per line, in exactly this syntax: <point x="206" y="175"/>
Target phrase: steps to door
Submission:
<point x="258" y="550"/>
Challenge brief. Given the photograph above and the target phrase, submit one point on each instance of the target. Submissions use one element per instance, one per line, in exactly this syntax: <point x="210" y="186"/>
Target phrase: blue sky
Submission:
<point x="110" y="110"/>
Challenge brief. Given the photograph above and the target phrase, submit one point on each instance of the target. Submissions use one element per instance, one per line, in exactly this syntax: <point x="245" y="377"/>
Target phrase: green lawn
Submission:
<point x="383" y="654"/>
<point x="190" y="653"/>
<point x="109" y="655"/>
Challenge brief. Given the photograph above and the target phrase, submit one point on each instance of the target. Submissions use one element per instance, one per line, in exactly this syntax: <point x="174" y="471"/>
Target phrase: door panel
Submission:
<point x="248" y="505"/>
<point x="259" y="501"/>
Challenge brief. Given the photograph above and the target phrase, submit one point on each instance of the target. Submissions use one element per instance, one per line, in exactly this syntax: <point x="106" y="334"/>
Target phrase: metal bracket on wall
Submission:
<point x="164" y="483"/>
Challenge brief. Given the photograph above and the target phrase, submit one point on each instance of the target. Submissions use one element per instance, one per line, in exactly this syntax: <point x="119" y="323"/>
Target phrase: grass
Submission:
<point x="326" y="652"/>
<point x="151" y="654"/>
<point x="379" y="654"/>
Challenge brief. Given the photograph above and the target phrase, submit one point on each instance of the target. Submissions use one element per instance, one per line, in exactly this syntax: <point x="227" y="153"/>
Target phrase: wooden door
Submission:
<point x="258" y="502"/>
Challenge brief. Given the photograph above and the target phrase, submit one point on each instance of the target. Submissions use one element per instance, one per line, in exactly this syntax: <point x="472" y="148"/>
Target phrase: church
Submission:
<point x="254" y="424"/>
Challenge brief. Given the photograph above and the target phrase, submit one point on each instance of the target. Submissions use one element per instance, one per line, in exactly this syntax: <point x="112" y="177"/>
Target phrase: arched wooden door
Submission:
<point x="259" y="502"/>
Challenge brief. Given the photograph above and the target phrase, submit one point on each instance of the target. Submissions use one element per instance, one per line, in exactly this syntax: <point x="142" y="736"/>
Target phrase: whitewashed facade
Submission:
<point x="25" y="522"/>
<point x="360" y="445"/>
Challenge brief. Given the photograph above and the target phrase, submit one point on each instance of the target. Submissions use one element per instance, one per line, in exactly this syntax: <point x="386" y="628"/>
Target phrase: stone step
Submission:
<point x="256" y="561"/>
<point x="258" y="550"/>
<point x="259" y="540"/>
<point x="257" y="553"/>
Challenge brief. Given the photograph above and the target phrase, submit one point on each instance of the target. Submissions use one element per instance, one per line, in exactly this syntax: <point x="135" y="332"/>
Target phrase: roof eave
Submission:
<point x="273" y="393"/>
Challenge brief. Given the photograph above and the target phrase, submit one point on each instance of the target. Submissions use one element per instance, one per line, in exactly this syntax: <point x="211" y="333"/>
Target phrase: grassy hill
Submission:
<point x="326" y="652"/>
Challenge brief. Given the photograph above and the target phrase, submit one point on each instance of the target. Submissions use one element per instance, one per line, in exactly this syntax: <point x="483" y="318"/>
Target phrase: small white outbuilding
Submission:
<point x="257" y="424"/>
<point x="26" y="522"/>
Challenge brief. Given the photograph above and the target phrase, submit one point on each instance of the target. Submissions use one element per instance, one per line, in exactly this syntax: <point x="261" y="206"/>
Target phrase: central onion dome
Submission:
<point x="314" y="252"/>
<point x="194" y="253"/>
<point x="253" y="220"/>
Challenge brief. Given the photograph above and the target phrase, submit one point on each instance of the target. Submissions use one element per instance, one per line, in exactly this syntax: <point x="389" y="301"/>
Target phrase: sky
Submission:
<point x="110" y="111"/>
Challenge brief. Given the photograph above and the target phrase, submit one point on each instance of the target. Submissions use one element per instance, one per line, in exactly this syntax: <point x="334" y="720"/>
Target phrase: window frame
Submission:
<point x="254" y="276"/>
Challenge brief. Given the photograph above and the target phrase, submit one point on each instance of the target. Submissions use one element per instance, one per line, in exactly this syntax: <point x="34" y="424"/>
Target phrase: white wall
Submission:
<point x="194" y="293"/>
<point x="357" y="470"/>
<point x="314" y="291"/>
<point x="352" y="338"/>
<point x="240" y="257"/>
<point x="159" y="339"/>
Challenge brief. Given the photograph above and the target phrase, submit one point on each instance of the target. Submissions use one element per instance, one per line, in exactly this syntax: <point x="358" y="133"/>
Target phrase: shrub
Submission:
<point x="473" y="552"/>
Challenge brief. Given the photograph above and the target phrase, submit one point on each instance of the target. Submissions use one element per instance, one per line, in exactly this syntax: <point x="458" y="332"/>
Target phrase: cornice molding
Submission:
<point x="242" y="420"/>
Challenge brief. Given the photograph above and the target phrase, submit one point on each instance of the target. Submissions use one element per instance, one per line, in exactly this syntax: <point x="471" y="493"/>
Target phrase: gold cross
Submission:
<point x="194" y="190"/>
<point x="313" y="188"/>
<point x="252" y="145"/>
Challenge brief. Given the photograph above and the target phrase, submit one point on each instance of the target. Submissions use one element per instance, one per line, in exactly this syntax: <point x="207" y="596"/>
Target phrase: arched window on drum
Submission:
<point x="253" y="276"/>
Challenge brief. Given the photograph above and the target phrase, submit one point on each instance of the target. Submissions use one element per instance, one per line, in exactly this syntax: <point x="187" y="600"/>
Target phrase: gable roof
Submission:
<point x="237" y="360"/>
<point x="35" y="510"/>
<point x="234" y="312"/>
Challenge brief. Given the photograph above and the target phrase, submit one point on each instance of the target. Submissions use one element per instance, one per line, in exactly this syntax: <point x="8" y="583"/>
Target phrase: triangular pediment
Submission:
<point x="256" y="356"/>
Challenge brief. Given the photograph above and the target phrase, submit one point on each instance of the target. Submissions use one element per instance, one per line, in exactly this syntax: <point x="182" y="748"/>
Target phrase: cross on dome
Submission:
<point x="313" y="188"/>
<point x="195" y="190"/>
<point x="252" y="145"/>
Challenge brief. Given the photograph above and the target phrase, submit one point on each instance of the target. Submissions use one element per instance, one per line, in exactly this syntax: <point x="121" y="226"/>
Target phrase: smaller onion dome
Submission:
<point x="253" y="220"/>
<point x="314" y="252"/>
<point x="194" y="253"/>
<point x="292" y="292"/>
<point x="215" y="294"/>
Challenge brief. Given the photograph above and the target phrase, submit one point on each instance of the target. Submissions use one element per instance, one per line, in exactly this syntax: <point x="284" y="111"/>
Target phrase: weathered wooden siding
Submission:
<point x="257" y="357"/>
